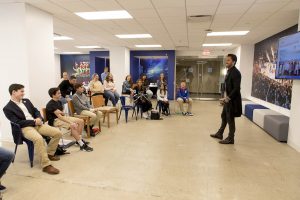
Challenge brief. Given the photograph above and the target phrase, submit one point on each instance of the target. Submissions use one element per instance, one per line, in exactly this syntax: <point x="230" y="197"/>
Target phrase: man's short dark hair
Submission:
<point x="77" y="85"/>
<point x="53" y="91"/>
<point x="72" y="77"/>
<point x="233" y="57"/>
<point x="15" y="87"/>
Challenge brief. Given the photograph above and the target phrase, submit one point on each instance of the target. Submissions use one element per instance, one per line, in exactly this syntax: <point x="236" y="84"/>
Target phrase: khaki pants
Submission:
<point x="190" y="104"/>
<point x="34" y="134"/>
<point x="61" y="124"/>
<point x="95" y="117"/>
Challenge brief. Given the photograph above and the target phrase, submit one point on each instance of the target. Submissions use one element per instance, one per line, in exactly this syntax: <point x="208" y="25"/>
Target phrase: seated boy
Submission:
<point x="83" y="107"/>
<point x="57" y="118"/>
<point x="22" y="112"/>
<point x="183" y="96"/>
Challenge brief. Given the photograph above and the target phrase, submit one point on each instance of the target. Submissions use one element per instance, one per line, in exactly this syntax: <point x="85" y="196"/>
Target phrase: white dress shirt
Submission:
<point x="22" y="106"/>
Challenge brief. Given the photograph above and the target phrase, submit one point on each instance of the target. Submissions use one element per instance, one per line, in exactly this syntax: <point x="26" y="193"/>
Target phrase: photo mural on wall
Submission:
<point x="77" y="65"/>
<point x="153" y="67"/>
<point x="264" y="84"/>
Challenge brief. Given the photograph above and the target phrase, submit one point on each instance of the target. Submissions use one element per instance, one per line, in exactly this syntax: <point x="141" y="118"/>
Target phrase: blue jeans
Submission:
<point x="113" y="96"/>
<point x="6" y="157"/>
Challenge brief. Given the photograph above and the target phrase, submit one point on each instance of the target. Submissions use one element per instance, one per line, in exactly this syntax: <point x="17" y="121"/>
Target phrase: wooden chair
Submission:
<point x="98" y="102"/>
<point x="86" y="119"/>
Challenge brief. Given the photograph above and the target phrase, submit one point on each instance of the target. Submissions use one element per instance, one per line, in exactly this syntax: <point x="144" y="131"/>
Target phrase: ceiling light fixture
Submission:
<point x="147" y="45"/>
<point x="71" y="52"/>
<point x="87" y="47"/>
<point x="217" y="45"/>
<point x="61" y="37"/>
<point x="104" y="15"/>
<point x="130" y="36"/>
<point x="227" y="33"/>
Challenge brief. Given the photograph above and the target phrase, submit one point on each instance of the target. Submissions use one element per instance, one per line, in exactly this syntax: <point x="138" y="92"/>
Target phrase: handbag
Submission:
<point x="155" y="115"/>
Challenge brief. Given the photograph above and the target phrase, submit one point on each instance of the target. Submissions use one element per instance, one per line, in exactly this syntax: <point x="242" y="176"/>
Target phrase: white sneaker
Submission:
<point x="189" y="114"/>
<point x="145" y="115"/>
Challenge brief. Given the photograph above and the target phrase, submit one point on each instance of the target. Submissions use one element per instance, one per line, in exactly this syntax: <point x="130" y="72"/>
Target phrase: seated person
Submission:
<point x="141" y="98"/>
<point x="57" y="118"/>
<point x="146" y="84"/>
<point x="127" y="84"/>
<point x="104" y="74"/>
<point x="6" y="157"/>
<point x="21" y="111"/>
<point x="96" y="87"/>
<point x="83" y="107"/>
<point x="162" y="98"/>
<point x="110" y="89"/>
<point x="183" y="96"/>
<point x="65" y="76"/>
<point x="162" y="80"/>
<point x="67" y="88"/>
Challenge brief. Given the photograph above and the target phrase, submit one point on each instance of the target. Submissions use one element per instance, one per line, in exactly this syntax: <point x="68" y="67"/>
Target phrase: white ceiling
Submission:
<point x="166" y="21"/>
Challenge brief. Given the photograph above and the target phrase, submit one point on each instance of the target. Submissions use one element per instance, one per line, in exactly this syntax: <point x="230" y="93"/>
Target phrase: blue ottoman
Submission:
<point x="249" y="110"/>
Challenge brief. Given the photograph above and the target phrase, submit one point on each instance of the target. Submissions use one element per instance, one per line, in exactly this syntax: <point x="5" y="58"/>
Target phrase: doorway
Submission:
<point x="203" y="76"/>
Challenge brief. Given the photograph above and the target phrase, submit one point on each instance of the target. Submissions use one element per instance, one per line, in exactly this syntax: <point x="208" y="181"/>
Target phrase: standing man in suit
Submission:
<point x="232" y="101"/>
<point x="22" y="112"/>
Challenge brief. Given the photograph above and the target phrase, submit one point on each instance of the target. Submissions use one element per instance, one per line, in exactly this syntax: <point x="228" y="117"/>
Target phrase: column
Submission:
<point x="26" y="54"/>
<point x="119" y="65"/>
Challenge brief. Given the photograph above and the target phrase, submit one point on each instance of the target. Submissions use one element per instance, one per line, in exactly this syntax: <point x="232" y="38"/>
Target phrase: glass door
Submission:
<point x="203" y="77"/>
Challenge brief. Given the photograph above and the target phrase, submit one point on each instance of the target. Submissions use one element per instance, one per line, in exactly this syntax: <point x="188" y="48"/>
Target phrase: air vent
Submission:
<point x="199" y="18"/>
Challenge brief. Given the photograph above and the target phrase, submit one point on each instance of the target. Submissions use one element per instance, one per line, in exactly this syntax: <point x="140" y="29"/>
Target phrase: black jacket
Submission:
<point x="16" y="115"/>
<point x="66" y="88"/>
<point x="233" y="87"/>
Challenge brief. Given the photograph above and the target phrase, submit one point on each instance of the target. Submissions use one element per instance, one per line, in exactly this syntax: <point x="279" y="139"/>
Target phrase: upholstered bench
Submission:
<point x="244" y="103"/>
<point x="259" y="116"/>
<point x="277" y="126"/>
<point x="249" y="110"/>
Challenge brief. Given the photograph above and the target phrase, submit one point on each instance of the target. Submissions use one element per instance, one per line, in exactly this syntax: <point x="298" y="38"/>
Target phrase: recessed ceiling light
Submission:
<point x="87" y="47"/>
<point x="61" y="37"/>
<point x="104" y="15"/>
<point x="227" y="33"/>
<point x="147" y="45"/>
<point x="71" y="52"/>
<point x="217" y="45"/>
<point x="129" y="36"/>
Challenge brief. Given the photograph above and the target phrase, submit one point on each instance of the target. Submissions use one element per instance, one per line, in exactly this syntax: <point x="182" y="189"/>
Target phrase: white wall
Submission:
<point x="294" y="128"/>
<point x="26" y="53"/>
<point x="119" y="65"/>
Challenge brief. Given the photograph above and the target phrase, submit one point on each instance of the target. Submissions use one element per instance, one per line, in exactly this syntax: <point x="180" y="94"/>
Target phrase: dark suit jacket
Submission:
<point x="16" y="115"/>
<point x="233" y="87"/>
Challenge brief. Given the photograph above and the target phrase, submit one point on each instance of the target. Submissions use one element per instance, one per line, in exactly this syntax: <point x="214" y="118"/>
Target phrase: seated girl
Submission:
<point x="162" y="98"/>
<point x="127" y="84"/>
<point x="141" y="98"/>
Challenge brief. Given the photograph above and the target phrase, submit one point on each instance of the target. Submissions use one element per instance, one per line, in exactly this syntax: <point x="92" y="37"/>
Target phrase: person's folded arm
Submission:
<point x="60" y="116"/>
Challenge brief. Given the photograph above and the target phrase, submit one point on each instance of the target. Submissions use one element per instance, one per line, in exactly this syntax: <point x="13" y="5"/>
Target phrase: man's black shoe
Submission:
<point x="86" y="148"/>
<point x="227" y="141"/>
<point x="217" y="135"/>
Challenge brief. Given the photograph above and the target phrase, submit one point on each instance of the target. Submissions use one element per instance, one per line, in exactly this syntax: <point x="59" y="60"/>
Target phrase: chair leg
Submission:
<point x="88" y="128"/>
<point x="15" y="153"/>
<point x="104" y="117"/>
<point x="108" y="119"/>
<point x="30" y="147"/>
<point x="120" y="114"/>
<point x="126" y="115"/>
<point x="117" y="117"/>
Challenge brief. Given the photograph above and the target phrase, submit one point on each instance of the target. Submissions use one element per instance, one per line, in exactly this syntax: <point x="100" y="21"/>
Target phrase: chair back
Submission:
<point x="71" y="108"/>
<point x="98" y="101"/>
<point x="44" y="114"/>
<point x="17" y="133"/>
